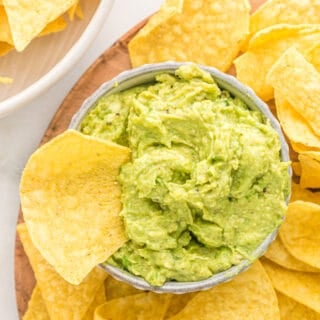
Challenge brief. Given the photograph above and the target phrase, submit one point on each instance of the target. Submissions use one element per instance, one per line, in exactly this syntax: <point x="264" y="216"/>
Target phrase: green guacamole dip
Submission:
<point x="206" y="184"/>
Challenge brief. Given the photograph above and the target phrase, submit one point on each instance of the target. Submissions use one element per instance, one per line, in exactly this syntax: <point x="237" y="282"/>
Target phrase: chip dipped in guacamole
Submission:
<point x="206" y="183"/>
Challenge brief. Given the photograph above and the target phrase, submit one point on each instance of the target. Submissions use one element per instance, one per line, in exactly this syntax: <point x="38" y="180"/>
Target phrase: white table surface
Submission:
<point x="21" y="132"/>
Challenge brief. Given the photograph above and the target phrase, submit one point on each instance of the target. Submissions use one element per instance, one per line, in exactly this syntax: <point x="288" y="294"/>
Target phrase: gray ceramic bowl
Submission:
<point x="146" y="74"/>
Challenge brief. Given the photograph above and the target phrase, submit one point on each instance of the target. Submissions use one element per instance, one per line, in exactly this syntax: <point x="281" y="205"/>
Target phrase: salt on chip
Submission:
<point x="293" y="310"/>
<point x="36" y="308"/>
<point x="142" y="306"/>
<point x="62" y="299"/>
<point x="299" y="193"/>
<point x="310" y="169"/>
<point x="206" y="32"/>
<point x="70" y="200"/>
<point x="301" y="286"/>
<point x="294" y="124"/>
<point x="288" y="77"/>
<point x="249" y="296"/>
<point x="28" y="18"/>
<point x="300" y="232"/>
<point x="274" y="12"/>
<point x="280" y="255"/>
<point x="264" y="50"/>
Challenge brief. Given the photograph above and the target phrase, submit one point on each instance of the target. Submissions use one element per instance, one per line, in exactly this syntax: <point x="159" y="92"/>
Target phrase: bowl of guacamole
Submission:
<point x="207" y="186"/>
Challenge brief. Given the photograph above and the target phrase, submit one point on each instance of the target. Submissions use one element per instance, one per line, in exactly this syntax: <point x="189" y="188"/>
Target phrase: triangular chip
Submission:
<point x="249" y="296"/>
<point x="116" y="289"/>
<point x="293" y="310"/>
<point x="5" y="33"/>
<point x="310" y="169"/>
<point x="28" y="18"/>
<point x="296" y="168"/>
<point x="280" y="255"/>
<point x="55" y="26"/>
<point x="294" y="125"/>
<point x="75" y="10"/>
<point x="62" y="299"/>
<point x="274" y="12"/>
<point x="287" y="77"/>
<point x="36" y="307"/>
<point x="70" y="199"/>
<point x="266" y="47"/>
<point x="204" y="32"/>
<point x="313" y="56"/>
<point x="299" y="193"/>
<point x="99" y="299"/>
<point x="301" y="286"/>
<point x="142" y="306"/>
<point x="178" y="302"/>
<point x="300" y="232"/>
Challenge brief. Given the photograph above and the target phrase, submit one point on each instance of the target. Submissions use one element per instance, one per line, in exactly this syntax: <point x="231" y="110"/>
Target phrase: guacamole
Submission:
<point x="206" y="184"/>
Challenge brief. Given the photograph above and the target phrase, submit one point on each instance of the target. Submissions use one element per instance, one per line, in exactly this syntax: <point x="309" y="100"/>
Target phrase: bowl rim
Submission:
<point x="146" y="73"/>
<point x="63" y="66"/>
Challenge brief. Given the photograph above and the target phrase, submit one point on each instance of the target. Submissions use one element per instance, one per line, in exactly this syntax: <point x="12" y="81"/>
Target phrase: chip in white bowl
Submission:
<point x="48" y="58"/>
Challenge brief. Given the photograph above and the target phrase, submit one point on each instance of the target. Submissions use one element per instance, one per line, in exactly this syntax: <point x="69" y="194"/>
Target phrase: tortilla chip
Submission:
<point x="303" y="287"/>
<point x="299" y="193"/>
<point x="296" y="167"/>
<point x="287" y="77"/>
<point x="178" y="302"/>
<point x="280" y="255"/>
<point x="117" y="289"/>
<point x="75" y="10"/>
<point x="300" y="232"/>
<point x="310" y="169"/>
<point x="5" y="32"/>
<point x="142" y="306"/>
<point x="294" y="124"/>
<point x="203" y="32"/>
<point x="28" y="19"/>
<point x="62" y="299"/>
<point x="4" y="49"/>
<point x="266" y="47"/>
<point x="99" y="299"/>
<point x="70" y="200"/>
<point x="293" y="310"/>
<point x="274" y="12"/>
<point x="55" y="26"/>
<point x="313" y="56"/>
<point x="36" y="308"/>
<point x="300" y="148"/>
<point x="249" y="295"/>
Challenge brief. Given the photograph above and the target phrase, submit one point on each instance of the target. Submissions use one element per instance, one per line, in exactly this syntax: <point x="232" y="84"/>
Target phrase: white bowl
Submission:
<point x="48" y="58"/>
<point x="146" y="74"/>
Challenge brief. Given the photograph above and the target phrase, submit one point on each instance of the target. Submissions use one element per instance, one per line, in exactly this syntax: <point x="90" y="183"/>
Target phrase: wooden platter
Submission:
<point x="108" y="65"/>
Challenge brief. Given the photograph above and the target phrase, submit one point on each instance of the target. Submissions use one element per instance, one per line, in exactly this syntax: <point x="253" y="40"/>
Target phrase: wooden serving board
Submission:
<point x="107" y="66"/>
